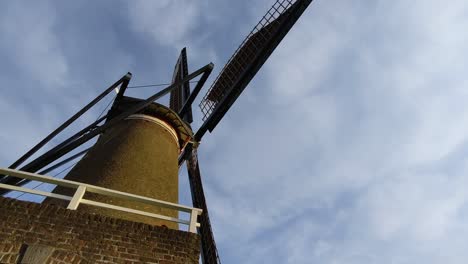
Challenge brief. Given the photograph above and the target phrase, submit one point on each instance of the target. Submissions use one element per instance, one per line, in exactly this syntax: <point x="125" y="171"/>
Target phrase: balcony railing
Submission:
<point x="82" y="188"/>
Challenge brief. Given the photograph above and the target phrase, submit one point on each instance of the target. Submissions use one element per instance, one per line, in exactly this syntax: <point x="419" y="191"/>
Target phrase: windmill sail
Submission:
<point x="234" y="77"/>
<point x="177" y="99"/>
<point x="249" y="58"/>
<point x="181" y="93"/>
<point x="208" y="250"/>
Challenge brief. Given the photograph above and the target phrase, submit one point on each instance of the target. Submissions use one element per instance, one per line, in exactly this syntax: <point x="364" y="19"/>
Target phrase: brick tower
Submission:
<point x="119" y="204"/>
<point x="139" y="156"/>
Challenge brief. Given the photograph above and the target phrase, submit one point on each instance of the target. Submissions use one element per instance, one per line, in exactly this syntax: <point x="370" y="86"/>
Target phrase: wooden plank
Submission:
<point x="82" y="188"/>
<point x="37" y="192"/>
<point x="129" y="210"/>
<point x="77" y="198"/>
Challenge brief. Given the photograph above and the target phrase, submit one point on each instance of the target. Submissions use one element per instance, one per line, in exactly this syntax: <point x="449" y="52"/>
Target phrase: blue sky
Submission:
<point x="350" y="145"/>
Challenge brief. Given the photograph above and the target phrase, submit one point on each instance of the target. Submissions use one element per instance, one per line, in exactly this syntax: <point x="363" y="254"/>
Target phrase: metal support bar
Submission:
<point x="122" y="89"/>
<point x="179" y="96"/>
<point x="193" y="220"/>
<point x="28" y="154"/>
<point x="65" y="161"/>
<point x="185" y="153"/>
<point x="56" y="153"/>
<point x="195" y="92"/>
<point x="51" y="168"/>
<point x="75" y="201"/>
<point x="209" y="251"/>
<point x="82" y="132"/>
<point x="16" y="181"/>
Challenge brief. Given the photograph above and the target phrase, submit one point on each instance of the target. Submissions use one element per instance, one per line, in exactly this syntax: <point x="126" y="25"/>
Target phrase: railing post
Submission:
<point x="193" y="220"/>
<point x="82" y="188"/>
<point x="75" y="201"/>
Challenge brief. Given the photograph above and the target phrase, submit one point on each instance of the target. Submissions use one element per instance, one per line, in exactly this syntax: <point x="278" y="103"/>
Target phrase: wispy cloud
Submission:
<point x="348" y="147"/>
<point x="358" y="118"/>
<point x="167" y="22"/>
<point x="29" y="41"/>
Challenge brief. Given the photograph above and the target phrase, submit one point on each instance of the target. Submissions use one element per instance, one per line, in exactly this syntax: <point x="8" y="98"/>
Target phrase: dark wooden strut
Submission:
<point x="56" y="165"/>
<point x="277" y="28"/>
<point x="233" y="79"/>
<point x="179" y="95"/>
<point x="65" y="161"/>
<point x="82" y="132"/>
<point x="75" y="141"/>
<point x="209" y="252"/>
<point x="188" y="103"/>
<point x="124" y="81"/>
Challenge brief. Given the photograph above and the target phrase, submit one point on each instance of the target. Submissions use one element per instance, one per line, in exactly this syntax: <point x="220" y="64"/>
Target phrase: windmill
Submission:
<point x="227" y="87"/>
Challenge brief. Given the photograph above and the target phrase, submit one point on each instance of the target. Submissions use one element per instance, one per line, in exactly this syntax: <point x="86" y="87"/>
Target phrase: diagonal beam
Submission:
<point x="56" y="153"/>
<point x="18" y="181"/>
<point x="209" y="250"/>
<point x="126" y="78"/>
<point x="187" y="105"/>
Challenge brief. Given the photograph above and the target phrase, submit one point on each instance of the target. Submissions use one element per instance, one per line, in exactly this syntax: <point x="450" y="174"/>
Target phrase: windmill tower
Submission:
<point x="131" y="172"/>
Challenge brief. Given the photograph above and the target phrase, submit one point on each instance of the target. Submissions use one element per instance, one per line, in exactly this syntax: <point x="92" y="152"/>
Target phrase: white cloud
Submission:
<point x="167" y="22"/>
<point x="360" y="119"/>
<point x="178" y="24"/>
<point x="349" y="146"/>
<point x="38" y="92"/>
<point x="22" y="128"/>
<point x="29" y="40"/>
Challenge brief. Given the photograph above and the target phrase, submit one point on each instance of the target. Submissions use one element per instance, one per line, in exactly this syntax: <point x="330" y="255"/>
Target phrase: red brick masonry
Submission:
<point x="77" y="237"/>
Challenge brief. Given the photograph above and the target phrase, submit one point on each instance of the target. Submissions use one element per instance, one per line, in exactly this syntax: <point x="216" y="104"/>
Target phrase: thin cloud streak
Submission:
<point x="349" y="146"/>
<point x="364" y="107"/>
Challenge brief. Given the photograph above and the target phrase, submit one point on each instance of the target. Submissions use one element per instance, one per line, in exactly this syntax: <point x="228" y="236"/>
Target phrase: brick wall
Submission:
<point x="66" y="236"/>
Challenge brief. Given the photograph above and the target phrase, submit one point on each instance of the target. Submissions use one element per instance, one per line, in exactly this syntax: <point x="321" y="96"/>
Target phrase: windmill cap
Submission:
<point x="182" y="130"/>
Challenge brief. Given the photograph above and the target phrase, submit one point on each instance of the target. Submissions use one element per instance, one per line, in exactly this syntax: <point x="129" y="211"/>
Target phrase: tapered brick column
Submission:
<point x="139" y="156"/>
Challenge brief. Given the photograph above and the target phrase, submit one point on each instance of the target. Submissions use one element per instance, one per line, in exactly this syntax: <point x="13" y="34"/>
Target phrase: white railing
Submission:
<point x="81" y="188"/>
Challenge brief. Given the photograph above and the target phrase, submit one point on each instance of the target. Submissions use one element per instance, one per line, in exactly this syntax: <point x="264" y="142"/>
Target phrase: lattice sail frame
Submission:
<point x="256" y="41"/>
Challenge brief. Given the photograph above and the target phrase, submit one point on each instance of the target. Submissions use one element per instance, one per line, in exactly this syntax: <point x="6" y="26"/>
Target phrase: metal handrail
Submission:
<point x="82" y="188"/>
